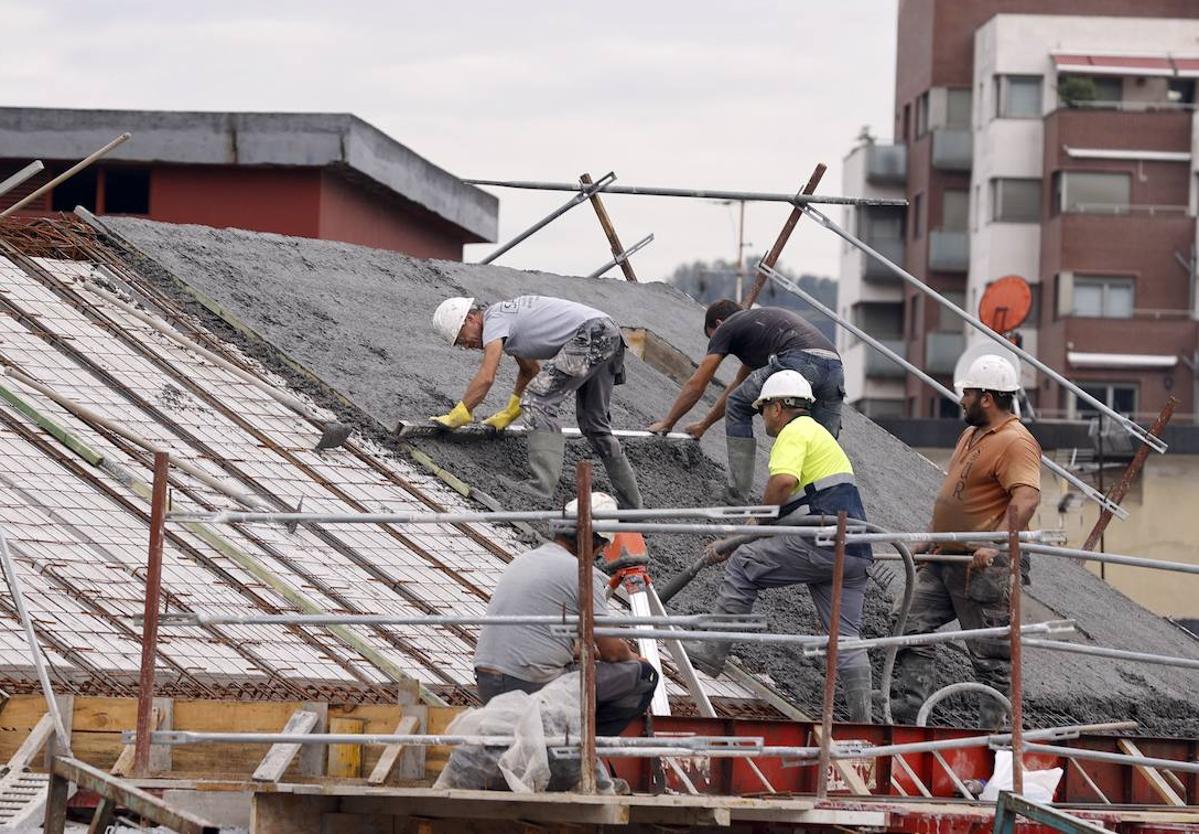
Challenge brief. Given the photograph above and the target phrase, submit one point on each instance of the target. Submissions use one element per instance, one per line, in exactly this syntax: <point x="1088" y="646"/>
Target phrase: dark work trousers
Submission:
<point x="588" y="366"/>
<point x="976" y="598"/>
<point x="623" y="691"/>
<point x="823" y="372"/>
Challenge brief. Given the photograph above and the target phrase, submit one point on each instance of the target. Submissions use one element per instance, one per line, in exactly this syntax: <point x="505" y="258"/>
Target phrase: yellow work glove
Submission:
<point x="458" y="417"/>
<point x="505" y="416"/>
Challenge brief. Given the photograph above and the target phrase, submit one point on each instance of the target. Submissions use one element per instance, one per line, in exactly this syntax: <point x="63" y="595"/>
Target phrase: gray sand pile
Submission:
<point x="360" y="320"/>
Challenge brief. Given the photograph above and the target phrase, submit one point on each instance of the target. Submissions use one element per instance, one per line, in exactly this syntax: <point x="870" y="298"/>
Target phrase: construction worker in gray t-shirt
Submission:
<point x="545" y="581"/>
<point x="585" y="353"/>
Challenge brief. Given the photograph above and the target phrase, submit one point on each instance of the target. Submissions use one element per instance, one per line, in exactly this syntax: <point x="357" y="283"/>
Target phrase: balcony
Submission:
<point x="890" y="248"/>
<point x="942" y="350"/>
<point x="953" y="149"/>
<point x="948" y="250"/>
<point x="880" y="366"/>
<point x="887" y="164"/>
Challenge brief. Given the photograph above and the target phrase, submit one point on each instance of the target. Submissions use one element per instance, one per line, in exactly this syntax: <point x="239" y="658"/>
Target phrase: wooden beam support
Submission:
<point x="276" y="761"/>
<point x="391" y="753"/>
<point x="609" y="230"/>
<point x="66" y="770"/>
<point x="344" y="761"/>
<point x="1156" y="778"/>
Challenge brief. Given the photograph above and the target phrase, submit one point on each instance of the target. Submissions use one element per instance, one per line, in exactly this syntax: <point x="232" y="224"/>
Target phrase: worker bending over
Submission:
<point x="766" y="340"/>
<point x="585" y="350"/>
<point x="527" y="657"/>
<point x="996" y="464"/>
<point x="809" y="475"/>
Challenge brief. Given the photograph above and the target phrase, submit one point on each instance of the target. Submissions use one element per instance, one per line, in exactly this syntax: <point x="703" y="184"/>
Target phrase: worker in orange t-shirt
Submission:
<point x="996" y="464"/>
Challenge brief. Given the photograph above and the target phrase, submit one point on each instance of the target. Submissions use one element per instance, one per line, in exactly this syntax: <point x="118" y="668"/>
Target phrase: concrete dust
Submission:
<point x="359" y="319"/>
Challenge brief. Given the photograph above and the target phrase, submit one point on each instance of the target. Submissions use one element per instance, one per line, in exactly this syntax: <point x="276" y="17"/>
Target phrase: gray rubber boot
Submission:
<point x="857" y="685"/>
<point x="624" y="482"/>
<point x="742" y="454"/>
<point x="709" y="655"/>
<point x="546" y="449"/>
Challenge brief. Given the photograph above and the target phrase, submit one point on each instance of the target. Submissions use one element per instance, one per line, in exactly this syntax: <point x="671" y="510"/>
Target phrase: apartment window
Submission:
<point x="1089" y="90"/>
<point x="1181" y="91"/>
<point x="922" y="114"/>
<point x="881" y="320"/>
<point x="1092" y="192"/>
<point x="1018" y="96"/>
<point x="1102" y="297"/>
<point x="126" y="191"/>
<point x="949" y="321"/>
<point x="907" y="123"/>
<point x="955" y="210"/>
<point x="958" y="102"/>
<point x="1120" y="397"/>
<point x="79" y="190"/>
<point x="1015" y="200"/>
<point x="879" y="223"/>
<point x="917" y="218"/>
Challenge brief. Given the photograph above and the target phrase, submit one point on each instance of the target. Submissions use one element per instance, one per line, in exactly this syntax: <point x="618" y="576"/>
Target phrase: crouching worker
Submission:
<point x="809" y="475"/>
<point x="527" y="657"/>
<point x="585" y="349"/>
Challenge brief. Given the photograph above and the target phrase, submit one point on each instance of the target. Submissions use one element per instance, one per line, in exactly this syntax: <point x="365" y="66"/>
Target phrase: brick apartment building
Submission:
<point x="1050" y="139"/>
<point x="318" y="175"/>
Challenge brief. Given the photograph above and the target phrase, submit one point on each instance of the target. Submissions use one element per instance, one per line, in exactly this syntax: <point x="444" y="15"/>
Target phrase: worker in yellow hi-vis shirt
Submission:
<point x="809" y="475"/>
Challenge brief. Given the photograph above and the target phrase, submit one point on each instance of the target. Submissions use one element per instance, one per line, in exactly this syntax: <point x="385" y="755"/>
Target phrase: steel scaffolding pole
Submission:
<point x="583" y="195"/>
<point x="19" y="177"/>
<point x="695" y="193"/>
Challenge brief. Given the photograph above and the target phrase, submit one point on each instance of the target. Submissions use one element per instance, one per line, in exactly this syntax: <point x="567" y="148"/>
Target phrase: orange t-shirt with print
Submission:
<point x="987" y="464"/>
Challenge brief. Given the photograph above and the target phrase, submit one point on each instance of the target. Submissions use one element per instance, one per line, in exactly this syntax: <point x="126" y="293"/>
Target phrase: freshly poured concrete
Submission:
<point x="360" y="320"/>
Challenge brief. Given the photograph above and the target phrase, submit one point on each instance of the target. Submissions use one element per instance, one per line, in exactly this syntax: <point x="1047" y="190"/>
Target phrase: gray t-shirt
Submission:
<point x="535" y="326"/>
<point x="543" y="581"/>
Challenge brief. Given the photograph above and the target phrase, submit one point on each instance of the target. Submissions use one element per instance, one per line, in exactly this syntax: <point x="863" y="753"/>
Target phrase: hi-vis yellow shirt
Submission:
<point x="805" y="450"/>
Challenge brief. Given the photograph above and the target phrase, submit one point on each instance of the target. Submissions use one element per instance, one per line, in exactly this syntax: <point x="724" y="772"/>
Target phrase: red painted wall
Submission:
<point x="355" y="213"/>
<point x="283" y="200"/>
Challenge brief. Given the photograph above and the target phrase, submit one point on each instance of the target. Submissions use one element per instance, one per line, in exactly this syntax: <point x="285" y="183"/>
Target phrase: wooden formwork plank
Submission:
<point x="391" y="753"/>
<point x="276" y="761"/>
<point x="344" y="761"/>
<point x="1156" y="778"/>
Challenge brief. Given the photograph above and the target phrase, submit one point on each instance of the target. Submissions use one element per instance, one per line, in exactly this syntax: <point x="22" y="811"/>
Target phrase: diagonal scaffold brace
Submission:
<point x="620" y="255"/>
<point x="585" y="194"/>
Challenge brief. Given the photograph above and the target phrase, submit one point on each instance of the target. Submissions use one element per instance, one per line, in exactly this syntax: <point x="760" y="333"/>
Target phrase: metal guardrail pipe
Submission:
<point x="1131" y="427"/>
<point x="65" y="175"/>
<point x="813" y="644"/>
<point x="1114" y="758"/>
<point x="584" y="193"/>
<point x="1114" y="654"/>
<point x="245" y="517"/>
<point x="1111" y="558"/>
<point x="974" y="536"/>
<point x="32" y="169"/>
<point x="789" y="285"/>
<point x="177" y="737"/>
<point x="761" y="530"/>
<point x="35" y="648"/>
<point x="699" y="194"/>
<point x="1050" y="627"/>
<point x="711" y="621"/>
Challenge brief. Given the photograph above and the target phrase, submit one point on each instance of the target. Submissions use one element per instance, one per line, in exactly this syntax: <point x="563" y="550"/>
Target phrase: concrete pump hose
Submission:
<point x="954" y="689"/>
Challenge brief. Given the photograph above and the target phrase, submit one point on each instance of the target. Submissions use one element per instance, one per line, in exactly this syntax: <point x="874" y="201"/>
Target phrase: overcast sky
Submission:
<point x="745" y="95"/>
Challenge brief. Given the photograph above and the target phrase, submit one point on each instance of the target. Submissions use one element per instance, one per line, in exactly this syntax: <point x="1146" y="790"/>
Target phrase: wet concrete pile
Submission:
<point x="359" y="319"/>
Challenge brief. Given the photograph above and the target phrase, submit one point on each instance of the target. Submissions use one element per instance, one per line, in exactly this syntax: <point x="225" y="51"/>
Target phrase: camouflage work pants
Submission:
<point x="588" y="366"/>
<point x="976" y="599"/>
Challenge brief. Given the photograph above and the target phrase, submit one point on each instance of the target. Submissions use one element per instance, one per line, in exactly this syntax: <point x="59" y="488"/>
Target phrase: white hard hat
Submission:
<point x="989" y="372"/>
<point x="599" y="501"/>
<point x="785" y="385"/>
<point x="450" y="315"/>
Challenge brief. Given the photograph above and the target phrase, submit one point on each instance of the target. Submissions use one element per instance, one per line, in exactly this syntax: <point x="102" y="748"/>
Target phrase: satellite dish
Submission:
<point x="982" y="348"/>
<point x="1005" y="303"/>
